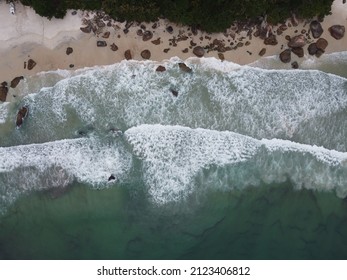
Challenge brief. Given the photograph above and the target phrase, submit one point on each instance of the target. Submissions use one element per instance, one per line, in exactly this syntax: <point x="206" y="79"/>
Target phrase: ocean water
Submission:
<point x="244" y="163"/>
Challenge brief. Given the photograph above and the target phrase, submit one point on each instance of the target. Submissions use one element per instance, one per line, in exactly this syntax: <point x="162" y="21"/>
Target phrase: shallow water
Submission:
<point x="244" y="163"/>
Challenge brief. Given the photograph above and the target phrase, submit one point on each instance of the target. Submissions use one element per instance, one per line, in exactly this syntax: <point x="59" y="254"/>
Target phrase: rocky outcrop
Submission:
<point x="297" y="42"/>
<point x="111" y="178"/>
<point x="16" y="81"/>
<point x="298" y="51"/>
<point x="174" y="92"/>
<point x="199" y="51"/>
<point x="3" y="91"/>
<point x="146" y="54"/>
<point x="285" y="56"/>
<point x="160" y="68"/>
<point x="271" y="40"/>
<point x="127" y="55"/>
<point x="69" y="50"/>
<point x="184" y="67"/>
<point x="322" y="44"/>
<point x="147" y="35"/>
<point x="31" y="64"/>
<point x="316" y="29"/>
<point x="21" y="115"/>
<point x="337" y="31"/>
<point x="262" y="52"/>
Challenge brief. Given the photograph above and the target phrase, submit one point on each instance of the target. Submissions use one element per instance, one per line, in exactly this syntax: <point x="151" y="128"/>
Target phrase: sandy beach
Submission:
<point x="26" y="35"/>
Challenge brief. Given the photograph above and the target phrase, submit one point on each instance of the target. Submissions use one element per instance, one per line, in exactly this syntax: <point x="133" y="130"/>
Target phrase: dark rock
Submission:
<point x="184" y="67"/>
<point x="322" y="44"/>
<point x="100" y="24"/>
<point x="185" y="50"/>
<point x="72" y="65"/>
<point x="69" y="50"/>
<point x="31" y="64"/>
<point x="114" y="47"/>
<point x="199" y="51"/>
<point x="303" y="31"/>
<point x="146" y="54"/>
<point x="139" y="32"/>
<point x="312" y="49"/>
<point x="25" y="65"/>
<point x="21" y="115"/>
<point x="154" y="25"/>
<point x="262" y="52"/>
<point x="127" y="55"/>
<point x="74" y="13"/>
<point x="109" y="24"/>
<point x="319" y="52"/>
<point x="16" y="81"/>
<point x="111" y="178"/>
<point x="316" y="29"/>
<point x="160" y="68"/>
<point x="4" y="84"/>
<point x="147" y="35"/>
<point x="3" y="92"/>
<point x="298" y="51"/>
<point x="247" y="43"/>
<point x="86" y="29"/>
<point x="166" y="50"/>
<point x="125" y="31"/>
<point x="239" y="45"/>
<point x="194" y="30"/>
<point x="337" y="31"/>
<point x="285" y="56"/>
<point x="106" y="34"/>
<point x="101" y="43"/>
<point x="192" y="43"/>
<point x="143" y="26"/>
<point x="221" y="56"/>
<point x="169" y="29"/>
<point x="174" y="92"/>
<point x="156" y="42"/>
<point x="271" y="40"/>
<point x="287" y="38"/>
<point x="297" y="42"/>
<point x="295" y="65"/>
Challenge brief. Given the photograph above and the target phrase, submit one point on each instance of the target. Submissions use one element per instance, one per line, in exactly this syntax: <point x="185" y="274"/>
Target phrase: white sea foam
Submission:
<point x="173" y="156"/>
<point x="56" y="164"/>
<point x="3" y="112"/>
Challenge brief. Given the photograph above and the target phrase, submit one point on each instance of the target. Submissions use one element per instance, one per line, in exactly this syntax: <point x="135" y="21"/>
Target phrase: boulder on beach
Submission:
<point x="295" y="65"/>
<point x="262" y="52"/>
<point x="86" y="29"/>
<point x="221" y="56"/>
<point x="297" y="41"/>
<point x="69" y="50"/>
<point x="21" y="115"/>
<point x="139" y="32"/>
<point x="337" y="31"/>
<point x="146" y="54"/>
<point x="285" y="56"/>
<point x="127" y="55"/>
<point x="3" y="92"/>
<point x="31" y="64"/>
<point x="101" y="44"/>
<point x="316" y="29"/>
<point x="184" y="67"/>
<point x="160" y="68"/>
<point x="106" y="34"/>
<point x="322" y="44"/>
<point x="147" y="35"/>
<point x="169" y="29"/>
<point x="156" y="41"/>
<point x="16" y="81"/>
<point x="114" y="47"/>
<point x="298" y="51"/>
<point x="199" y="51"/>
<point x="271" y="40"/>
<point x="312" y="49"/>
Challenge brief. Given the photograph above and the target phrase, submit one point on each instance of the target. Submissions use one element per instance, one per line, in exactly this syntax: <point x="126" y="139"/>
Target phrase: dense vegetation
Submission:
<point x="210" y="15"/>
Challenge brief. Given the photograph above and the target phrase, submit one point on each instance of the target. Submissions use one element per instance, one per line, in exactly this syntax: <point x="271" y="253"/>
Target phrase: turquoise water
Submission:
<point x="244" y="163"/>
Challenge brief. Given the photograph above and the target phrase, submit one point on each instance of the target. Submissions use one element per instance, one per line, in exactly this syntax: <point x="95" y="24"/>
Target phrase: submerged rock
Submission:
<point x="184" y="67"/>
<point x="160" y="68"/>
<point x="316" y="29"/>
<point x="16" y="81"/>
<point x="174" y="92"/>
<point x="21" y="115"/>
<point x="337" y="31"/>
<point x="111" y="178"/>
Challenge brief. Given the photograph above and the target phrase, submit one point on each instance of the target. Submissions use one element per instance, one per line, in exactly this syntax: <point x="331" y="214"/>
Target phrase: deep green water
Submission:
<point x="269" y="222"/>
<point x="244" y="164"/>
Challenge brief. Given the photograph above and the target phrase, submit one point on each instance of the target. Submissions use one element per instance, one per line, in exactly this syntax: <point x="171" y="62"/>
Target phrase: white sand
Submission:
<point x="26" y="35"/>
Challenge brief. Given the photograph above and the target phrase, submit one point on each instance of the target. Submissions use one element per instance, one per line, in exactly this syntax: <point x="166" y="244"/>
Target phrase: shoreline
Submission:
<point x="26" y="35"/>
